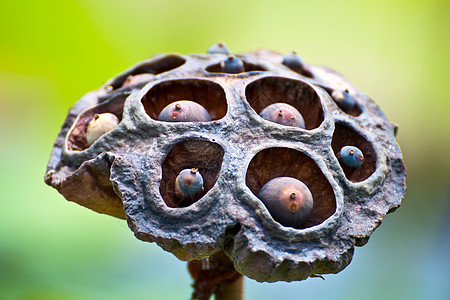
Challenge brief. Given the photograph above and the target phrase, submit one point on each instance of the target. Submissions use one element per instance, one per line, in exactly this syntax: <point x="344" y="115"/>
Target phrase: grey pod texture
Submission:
<point x="130" y="171"/>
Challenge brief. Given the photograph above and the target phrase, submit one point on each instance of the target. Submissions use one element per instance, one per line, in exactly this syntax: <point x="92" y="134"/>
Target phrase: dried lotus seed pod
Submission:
<point x="284" y="114"/>
<point x="132" y="172"/>
<point x="99" y="125"/>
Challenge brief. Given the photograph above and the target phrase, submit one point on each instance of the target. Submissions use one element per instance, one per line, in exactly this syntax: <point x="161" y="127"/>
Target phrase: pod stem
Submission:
<point x="216" y="276"/>
<point x="231" y="290"/>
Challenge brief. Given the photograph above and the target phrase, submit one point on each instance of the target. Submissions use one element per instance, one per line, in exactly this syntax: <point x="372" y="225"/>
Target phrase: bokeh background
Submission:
<point x="52" y="52"/>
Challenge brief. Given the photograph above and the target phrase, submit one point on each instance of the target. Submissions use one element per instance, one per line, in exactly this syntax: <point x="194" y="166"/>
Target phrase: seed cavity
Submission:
<point x="344" y="100"/>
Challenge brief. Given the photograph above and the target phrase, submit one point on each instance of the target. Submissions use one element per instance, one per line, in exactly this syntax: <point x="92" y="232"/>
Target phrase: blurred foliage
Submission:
<point x="52" y="52"/>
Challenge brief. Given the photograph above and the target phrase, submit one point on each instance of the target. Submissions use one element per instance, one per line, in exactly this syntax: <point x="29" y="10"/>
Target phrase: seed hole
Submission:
<point x="284" y="162"/>
<point x="345" y="136"/>
<point x="269" y="90"/>
<point x="77" y="140"/>
<point x="144" y="72"/>
<point x="204" y="156"/>
<point x="337" y="95"/>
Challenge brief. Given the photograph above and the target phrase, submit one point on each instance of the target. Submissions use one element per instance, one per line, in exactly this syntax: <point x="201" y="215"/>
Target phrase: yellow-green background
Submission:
<point x="52" y="52"/>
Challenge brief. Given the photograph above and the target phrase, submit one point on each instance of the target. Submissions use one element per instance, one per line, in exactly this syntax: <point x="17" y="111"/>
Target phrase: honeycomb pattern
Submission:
<point x="130" y="171"/>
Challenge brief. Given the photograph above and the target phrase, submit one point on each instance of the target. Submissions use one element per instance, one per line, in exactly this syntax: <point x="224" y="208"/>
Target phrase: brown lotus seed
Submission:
<point x="288" y="200"/>
<point x="184" y="111"/>
<point x="284" y="114"/>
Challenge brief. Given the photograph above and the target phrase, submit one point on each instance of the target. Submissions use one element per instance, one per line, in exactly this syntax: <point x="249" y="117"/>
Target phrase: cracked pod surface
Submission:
<point x="130" y="171"/>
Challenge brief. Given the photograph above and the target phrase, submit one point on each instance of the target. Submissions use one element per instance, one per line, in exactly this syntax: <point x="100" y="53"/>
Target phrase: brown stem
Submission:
<point x="216" y="275"/>
<point x="231" y="291"/>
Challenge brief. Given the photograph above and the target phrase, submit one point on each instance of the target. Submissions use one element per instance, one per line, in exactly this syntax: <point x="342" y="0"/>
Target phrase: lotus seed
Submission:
<point x="232" y="65"/>
<point x="218" y="48"/>
<point x="288" y="200"/>
<point x="293" y="61"/>
<point x="284" y="114"/>
<point x="351" y="156"/>
<point x="184" y="111"/>
<point x="99" y="125"/>
<point x="188" y="183"/>
<point x="343" y="99"/>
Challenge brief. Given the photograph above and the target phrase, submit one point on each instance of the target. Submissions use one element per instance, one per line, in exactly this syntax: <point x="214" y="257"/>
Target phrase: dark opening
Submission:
<point x="154" y="67"/>
<point x="205" y="156"/>
<point x="77" y="136"/>
<point x="284" y="162"/>
<point x="346" y="136"/>
<point x="354" y="111"/>
<point x="266" y="91"/>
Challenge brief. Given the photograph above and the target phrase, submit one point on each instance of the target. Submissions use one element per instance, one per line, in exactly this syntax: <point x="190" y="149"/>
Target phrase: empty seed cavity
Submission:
<point x="291" y="186"/>
<point x="187" y="100"/>
<point x="354" y="153"/>
<point x="262" y="93"/>
<point x="189" y="171"/>
<point x="146" y="71"/>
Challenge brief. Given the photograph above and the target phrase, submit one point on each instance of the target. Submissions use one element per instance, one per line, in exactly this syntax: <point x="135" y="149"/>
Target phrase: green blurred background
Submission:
<point x="52" y="52"/>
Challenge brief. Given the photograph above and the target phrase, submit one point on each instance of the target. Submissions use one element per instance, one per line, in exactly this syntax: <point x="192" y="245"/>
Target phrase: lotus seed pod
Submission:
<point x="343" y="99"/>
<point x="232" y="65"/>
<point x="288" y="200"/>
<point x="284" y="114"/>
<point x="99" y="125"/>
<point x="184" y="111"/>
<point x="351" y="156"/>
<point x="188" y="183"/>
<point x="218" y="48"/>
<point x="133" y="173"/>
